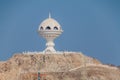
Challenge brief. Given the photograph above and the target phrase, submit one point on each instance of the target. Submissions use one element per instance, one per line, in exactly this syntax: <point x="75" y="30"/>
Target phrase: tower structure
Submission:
<point x="50" y="29"/>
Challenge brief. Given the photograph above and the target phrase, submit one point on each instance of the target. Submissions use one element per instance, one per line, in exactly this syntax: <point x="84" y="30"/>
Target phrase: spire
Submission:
<point x="49" y="15"/>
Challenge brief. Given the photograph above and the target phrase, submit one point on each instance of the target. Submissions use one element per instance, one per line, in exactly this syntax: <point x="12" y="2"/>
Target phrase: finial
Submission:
<point x="49" y="15"/>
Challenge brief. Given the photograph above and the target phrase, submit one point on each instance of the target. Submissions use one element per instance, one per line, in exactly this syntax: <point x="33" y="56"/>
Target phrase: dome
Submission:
<point x="49" y="24"/>
<point x="50" y="29"/>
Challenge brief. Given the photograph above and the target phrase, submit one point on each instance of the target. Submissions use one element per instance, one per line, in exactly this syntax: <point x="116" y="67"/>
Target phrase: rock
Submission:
<point x="59" y="66"/>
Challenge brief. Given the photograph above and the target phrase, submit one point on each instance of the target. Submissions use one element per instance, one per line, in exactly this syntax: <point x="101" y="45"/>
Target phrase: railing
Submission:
<point x="57" y="52"/>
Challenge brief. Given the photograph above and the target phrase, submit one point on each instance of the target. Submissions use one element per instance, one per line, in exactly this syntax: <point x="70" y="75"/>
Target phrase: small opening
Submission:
<point x="41" y="28"/>
<point x="48" y="28"/>
<point x="55" y="28"/>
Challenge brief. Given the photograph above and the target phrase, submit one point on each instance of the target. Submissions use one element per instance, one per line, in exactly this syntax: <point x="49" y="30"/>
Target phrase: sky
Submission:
<point x="90" y="26"/>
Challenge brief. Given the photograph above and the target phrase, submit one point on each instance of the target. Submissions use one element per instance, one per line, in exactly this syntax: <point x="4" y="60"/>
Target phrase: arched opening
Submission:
<point x="48" y="28"/>
<point x="41" y="28"/>
<point x="55" y="28"/>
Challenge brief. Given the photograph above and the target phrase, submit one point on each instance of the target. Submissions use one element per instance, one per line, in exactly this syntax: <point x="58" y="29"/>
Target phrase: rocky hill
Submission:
<point x="56" y="66"/>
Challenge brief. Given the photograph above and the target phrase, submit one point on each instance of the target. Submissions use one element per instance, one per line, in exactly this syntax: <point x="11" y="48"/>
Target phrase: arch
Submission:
<point x="41" y="28"/>
<point x="55" y="28"/>
<point x="48" y="28"/>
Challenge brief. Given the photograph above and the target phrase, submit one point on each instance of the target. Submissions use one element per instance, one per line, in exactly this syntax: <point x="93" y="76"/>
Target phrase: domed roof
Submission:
<point x="50" y="23"/>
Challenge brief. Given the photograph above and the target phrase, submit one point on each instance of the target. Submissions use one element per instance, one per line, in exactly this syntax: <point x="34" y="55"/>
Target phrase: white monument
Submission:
<point x="50" y="29"/>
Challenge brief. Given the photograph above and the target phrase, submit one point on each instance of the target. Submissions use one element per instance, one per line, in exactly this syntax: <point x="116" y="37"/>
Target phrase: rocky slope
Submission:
<point x="59" y="66"/>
